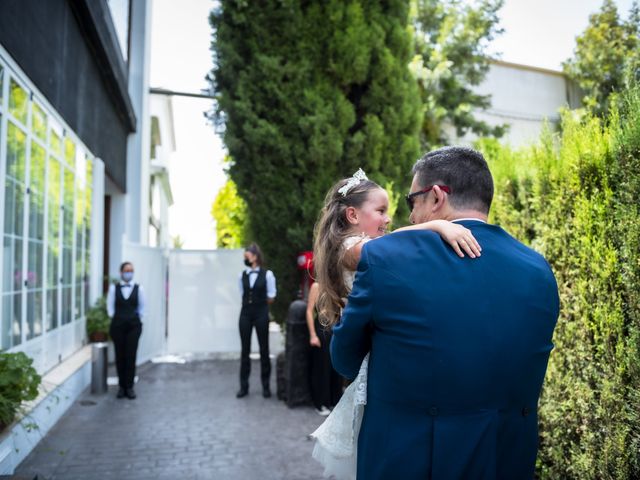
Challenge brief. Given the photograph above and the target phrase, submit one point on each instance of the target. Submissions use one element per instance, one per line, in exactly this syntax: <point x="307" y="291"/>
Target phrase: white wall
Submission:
<point x="150" y="265"/>
<point x="204" y="303"/>
<point x="523" y="97"/>
<point x="137" y="198"/>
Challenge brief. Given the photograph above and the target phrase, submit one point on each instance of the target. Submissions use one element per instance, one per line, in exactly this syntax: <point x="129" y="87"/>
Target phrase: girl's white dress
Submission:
<point x="337" y="437"/>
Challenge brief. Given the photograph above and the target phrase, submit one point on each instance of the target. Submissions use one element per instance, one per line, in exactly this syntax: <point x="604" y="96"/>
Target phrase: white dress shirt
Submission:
<point x="270" y="278"/>
<point x="126" y="290"/>
<point x="469" y="218"/>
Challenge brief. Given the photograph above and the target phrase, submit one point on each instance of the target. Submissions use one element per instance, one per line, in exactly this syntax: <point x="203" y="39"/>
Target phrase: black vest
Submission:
<point x="127" y="309"/>
<point x="258" y="294"/>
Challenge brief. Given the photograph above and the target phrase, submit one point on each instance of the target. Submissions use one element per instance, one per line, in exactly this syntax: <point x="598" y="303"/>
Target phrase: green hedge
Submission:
<point x="574" y="197"/>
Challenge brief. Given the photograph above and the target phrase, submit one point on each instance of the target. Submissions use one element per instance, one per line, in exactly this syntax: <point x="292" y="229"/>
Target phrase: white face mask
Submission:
<point x="127" y="276"/>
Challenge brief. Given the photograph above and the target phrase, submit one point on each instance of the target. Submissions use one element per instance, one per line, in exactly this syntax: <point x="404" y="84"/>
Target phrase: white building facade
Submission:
<point x="524" y="98"/>
<point x="78" y="184"/>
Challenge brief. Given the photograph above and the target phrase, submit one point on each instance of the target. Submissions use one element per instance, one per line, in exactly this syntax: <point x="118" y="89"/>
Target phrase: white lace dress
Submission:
<point x="337" y="437"/>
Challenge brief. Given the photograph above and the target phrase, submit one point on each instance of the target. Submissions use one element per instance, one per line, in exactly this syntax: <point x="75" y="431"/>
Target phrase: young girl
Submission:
<point x="355" y="212"/>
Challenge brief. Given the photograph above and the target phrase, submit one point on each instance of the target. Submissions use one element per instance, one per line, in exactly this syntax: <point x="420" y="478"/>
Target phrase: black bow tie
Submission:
<point x="126" y="285"/>
<point x="253" y="271"/>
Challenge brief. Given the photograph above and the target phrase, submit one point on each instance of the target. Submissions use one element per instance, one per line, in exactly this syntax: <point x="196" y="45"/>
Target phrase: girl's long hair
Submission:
<point x="330" y="231"/>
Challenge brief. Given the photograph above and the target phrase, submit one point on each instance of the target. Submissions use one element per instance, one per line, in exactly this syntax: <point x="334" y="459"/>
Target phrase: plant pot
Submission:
<point x="95" y="337"/>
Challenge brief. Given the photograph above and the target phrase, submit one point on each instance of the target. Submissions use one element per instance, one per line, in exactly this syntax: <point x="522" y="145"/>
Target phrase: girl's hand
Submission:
<point x="459" y="237"/>
<point x="314" y="341"/>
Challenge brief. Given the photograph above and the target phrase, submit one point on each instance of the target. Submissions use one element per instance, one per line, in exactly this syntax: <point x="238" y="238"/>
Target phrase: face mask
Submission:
<point x="127" y="276"/>
<point x="247" y="262"/>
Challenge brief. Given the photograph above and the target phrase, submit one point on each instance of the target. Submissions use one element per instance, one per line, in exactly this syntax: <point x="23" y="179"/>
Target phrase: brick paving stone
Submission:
<point x="185" y="424"/>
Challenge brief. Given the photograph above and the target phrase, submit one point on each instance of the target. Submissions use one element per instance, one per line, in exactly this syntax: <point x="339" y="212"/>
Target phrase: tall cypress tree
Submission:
<point x="307" y="92"/>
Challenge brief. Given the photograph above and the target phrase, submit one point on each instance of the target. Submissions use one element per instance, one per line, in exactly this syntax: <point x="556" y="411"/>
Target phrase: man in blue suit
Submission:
<point x="459" y="346"/>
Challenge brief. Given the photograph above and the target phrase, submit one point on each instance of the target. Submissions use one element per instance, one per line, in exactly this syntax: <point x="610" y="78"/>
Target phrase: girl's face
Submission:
<point x="371" y="217"/>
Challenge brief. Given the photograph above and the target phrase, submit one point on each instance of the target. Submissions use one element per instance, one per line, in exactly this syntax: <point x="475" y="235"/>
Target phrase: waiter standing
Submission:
<point x="258" y="288"/>
<point x="125" y="306"/>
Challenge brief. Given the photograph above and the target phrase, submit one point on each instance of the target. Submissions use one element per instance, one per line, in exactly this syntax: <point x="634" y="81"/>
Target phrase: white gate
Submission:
<point x="204" y="304"/>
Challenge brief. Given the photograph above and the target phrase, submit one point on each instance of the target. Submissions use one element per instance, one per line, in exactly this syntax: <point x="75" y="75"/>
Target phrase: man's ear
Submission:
<point x="440" y="198"/>
<point x="352" y="215"/>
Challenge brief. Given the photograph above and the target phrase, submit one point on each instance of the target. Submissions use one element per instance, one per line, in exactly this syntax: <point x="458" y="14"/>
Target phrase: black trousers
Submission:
<point x="125" y="335"/>
<point x="325" y="382"/>
<point x="254" y="316"/>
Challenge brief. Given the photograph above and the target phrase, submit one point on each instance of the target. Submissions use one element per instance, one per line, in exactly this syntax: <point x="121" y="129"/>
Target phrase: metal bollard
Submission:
<point x="99" y="367"/>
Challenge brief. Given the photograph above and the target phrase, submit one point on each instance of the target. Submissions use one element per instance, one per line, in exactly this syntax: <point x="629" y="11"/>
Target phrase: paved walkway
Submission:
<point x="185" y="424"/>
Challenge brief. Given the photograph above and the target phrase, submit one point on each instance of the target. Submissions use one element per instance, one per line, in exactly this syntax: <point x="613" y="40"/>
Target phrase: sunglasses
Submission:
<point x="411" y="196"/>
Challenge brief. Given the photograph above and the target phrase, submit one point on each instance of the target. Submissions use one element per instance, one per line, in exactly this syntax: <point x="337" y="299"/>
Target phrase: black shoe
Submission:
<point x="243" y="392"/>
<point x="131" y="393"/>
<point x="121" y="393"/>
<point x="266" y="393"/>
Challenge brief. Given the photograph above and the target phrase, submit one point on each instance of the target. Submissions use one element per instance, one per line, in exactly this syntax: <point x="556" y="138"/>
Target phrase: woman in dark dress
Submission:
<point x="326" y="384"/>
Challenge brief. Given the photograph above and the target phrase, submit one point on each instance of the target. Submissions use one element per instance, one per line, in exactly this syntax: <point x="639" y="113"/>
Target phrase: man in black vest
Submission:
<point x="125" y="306"/>
<point x="258" y="287"/>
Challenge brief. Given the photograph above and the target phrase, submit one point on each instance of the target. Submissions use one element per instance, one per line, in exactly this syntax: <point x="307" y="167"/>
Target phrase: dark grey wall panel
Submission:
<point x="68" y="50"/>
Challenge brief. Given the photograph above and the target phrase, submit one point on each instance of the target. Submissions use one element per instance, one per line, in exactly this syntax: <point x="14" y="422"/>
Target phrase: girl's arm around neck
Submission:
<point x="457" y="236"/>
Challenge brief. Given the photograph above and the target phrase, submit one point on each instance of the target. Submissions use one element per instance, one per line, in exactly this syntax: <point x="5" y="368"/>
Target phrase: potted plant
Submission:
<point x="98" y="322"/>
<point x="19" y="382"/>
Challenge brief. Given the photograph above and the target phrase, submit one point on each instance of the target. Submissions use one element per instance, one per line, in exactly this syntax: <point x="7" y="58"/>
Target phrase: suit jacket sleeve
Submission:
<point x="352" y="335"/>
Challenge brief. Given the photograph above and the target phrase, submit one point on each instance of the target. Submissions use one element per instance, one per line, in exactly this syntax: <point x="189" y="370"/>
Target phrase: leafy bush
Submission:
<point x="19" y="382"/>
<point x="574" y="197"/>
<point x="97" y="319"/>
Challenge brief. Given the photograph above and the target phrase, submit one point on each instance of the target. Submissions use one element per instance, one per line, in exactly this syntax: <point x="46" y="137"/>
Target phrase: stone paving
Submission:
<point x="185" y="424"/>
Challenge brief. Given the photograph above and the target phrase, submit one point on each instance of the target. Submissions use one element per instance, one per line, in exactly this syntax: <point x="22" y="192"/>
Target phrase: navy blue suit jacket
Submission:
<point x="459" y="349"/>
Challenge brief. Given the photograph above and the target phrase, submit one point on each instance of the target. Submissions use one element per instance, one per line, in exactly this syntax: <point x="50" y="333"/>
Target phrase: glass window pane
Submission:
<point x="69" y="151"/>
<point x="52" y="266"/>
<point x="52" y="309"/>
<point x="36" y="170"/>
<point x="36" y="216"/>
<point x="5" y="323"/>
<point x="79" y="261"/>
<point x="86" y="294"/>
<point x="18" y="101"/>
<point x="12" y="274"/>
<point x="38" y="122"/>
<point x="53" y="238"/>
<point x="16" y="149"/>
<point x="16" y="328"/>
<point x="1" y="83"/>
<point x="67" y="266"/>
<point x="67" y="220"/>
<point x="66" y="305"/>
<point x="13" y="207"/>
<point x="34" y="275"/>
<point x="36" y="197"/>
<point x="55" y="143"/>
<point x="34" y="314"/>
<point x="11" y="320"/>
<point x="18" y="274"/>
<point x="7" y="269"/>
<point x="53" y="197"/>
<point x="77" y="312"/>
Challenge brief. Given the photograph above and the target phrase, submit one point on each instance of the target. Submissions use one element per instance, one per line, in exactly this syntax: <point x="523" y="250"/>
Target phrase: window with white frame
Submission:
<point x="46" y="217"/>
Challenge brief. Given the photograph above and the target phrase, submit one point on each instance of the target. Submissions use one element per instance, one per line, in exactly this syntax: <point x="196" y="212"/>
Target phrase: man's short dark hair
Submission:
<point x="464" y="171"/>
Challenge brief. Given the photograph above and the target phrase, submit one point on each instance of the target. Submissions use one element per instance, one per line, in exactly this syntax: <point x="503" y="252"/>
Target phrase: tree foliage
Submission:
<point x="575" y="199"/>
<point x="451" y="40"/>
<point x="607" y="56"/>
<point x="307" y="92"/>
<point x="230" y="213"/>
